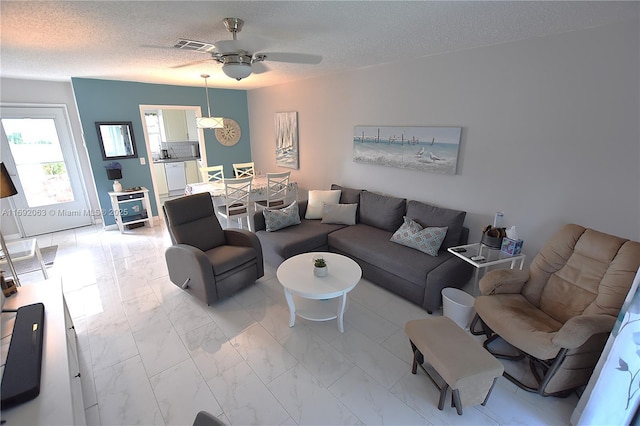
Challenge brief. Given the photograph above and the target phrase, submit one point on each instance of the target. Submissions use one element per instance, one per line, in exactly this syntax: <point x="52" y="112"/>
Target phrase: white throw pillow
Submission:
<point x="317" y="200"/>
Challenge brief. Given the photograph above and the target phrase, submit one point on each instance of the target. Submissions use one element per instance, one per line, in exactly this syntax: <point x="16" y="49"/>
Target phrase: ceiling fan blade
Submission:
<point x="259" y="68"/>
<point x="295" y="58"/>
<point x="188" y="64"/>
<point x="198" y="46"/>
<point x="248" y="43"/>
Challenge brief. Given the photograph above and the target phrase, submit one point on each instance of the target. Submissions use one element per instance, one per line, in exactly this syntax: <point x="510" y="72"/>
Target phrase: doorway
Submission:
<point x="165" y="127"/>
<point x="39" y="153"/>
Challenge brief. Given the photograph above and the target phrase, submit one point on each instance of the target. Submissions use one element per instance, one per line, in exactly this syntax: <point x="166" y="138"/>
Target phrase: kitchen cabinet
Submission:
<point x="191" y="171"/>
<point x="179" y="125"/>
<point x="192" y="129"/>
<point x="161" y="179"/>
<point x="175" y="125"/>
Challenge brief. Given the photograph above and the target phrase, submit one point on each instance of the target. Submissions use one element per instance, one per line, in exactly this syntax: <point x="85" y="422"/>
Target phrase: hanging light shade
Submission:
<point x="237" y="70"/>
<point x="208" y="122"/>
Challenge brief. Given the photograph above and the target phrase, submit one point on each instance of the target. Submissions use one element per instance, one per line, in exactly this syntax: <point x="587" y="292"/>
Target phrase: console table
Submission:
<point x="60" y="400"/>
<point x="119" y="202"/>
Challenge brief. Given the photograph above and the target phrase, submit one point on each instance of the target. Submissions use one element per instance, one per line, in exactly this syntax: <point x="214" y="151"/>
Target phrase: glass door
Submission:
<point x="39" y="154"/>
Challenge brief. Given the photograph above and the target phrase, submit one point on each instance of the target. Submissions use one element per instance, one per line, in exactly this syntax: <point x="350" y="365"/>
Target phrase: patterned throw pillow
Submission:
<point x="281" y="218"/>
<point x="427" y="240"/>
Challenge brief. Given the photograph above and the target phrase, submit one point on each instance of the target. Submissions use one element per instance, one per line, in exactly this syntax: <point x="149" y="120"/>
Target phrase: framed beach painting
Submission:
<point x="287" y="139"/>
<point x="426" y="149"/>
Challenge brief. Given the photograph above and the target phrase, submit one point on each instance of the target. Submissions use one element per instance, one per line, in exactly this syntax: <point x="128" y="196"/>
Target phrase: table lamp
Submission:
<point x="114" y="175"/>
<point x="7" y="189"/>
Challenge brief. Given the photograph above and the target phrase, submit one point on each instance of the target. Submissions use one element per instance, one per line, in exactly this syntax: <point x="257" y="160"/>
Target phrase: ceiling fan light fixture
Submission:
<point x="237" y="70"/>
<point x="208" y="122"/>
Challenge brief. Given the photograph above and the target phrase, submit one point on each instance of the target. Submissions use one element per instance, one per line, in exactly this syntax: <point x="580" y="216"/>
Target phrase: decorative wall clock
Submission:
<point x="230" y="134"/>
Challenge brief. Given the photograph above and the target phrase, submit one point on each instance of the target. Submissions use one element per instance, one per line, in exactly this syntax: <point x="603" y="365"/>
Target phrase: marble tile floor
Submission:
<point x="150" y="354"/>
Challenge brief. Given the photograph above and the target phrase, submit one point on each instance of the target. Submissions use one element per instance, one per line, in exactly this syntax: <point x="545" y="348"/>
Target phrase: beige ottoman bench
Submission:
<point x="462" y="363"/>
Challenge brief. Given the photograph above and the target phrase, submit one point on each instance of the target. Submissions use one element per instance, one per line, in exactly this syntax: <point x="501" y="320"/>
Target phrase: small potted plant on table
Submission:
<point x="319" y="266"/>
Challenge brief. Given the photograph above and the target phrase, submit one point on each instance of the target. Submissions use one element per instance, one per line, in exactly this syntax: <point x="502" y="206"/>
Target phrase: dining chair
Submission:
<point x="212" y="173"/>
<point x="236" y="201"/>
<point x="277" y="190"/>
<point x="242" y="170"/>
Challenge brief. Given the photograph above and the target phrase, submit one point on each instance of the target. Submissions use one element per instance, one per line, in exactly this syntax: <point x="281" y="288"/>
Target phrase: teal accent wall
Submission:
<point x="109" y="100"/>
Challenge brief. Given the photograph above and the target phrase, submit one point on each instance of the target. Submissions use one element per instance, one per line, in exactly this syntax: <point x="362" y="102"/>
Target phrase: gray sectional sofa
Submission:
<point x="407" y="272"/>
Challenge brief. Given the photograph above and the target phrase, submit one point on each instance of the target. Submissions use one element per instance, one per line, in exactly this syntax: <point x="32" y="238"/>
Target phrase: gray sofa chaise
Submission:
<point x="407" y="272"/>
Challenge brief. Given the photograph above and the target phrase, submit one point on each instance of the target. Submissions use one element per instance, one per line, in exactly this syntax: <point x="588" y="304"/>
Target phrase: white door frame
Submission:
<point x="70" y="153"/>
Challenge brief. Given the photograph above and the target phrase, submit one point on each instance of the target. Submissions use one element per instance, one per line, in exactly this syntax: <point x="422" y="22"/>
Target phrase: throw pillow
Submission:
<point x="317" y="200"/>
<point x="281" y="218"/>
<point x="429" y="215"/>
<point x="339" y="214"/>
<point x="412" y="234"/>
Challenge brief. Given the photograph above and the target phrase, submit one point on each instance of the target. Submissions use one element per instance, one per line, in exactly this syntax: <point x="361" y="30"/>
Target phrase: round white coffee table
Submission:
<point x="317" y="295"/>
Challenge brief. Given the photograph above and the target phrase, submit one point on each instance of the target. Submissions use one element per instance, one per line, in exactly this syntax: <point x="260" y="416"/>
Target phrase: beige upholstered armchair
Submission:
<point x="204" y="259"/>
<point x="559" y="314"/>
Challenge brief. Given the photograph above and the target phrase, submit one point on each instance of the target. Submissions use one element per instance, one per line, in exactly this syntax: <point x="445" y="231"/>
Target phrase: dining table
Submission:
<point x="259" y="186"/>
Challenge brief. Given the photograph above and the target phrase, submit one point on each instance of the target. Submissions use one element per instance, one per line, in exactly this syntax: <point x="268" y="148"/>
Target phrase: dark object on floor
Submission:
<point x="21" y="376"/>
<point x="205" y="419"/>
<point x="204" y="259"/>
<point x="135" y="225"/>
<point x="8" y="286"/>
<point x="559" y="313"/>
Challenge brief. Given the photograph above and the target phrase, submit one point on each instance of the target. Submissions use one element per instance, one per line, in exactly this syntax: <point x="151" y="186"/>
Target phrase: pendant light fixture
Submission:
<point x="209" y="122"/>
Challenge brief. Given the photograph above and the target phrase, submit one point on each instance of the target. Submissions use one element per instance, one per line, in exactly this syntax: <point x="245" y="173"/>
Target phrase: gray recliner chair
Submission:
<point x="204" y="259"/>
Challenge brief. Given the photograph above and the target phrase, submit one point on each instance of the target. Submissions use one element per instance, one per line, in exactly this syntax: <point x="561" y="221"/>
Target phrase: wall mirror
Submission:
<point x="116" y="139"/>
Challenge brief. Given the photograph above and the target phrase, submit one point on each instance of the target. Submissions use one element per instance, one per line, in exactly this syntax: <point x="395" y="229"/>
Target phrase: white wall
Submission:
<point x="49" y="92"/>
<point x="550" y="130"/>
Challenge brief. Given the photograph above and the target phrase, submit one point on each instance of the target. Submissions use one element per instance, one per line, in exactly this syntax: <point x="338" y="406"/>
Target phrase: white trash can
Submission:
<point x="458" y="305"/>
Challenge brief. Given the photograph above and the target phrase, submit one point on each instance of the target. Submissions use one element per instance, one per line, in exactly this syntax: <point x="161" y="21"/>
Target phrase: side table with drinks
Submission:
<point x="482" y="256"/>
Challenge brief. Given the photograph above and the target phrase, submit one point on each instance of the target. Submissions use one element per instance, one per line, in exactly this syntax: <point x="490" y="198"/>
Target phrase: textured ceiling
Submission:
<point x="57" y="40"/>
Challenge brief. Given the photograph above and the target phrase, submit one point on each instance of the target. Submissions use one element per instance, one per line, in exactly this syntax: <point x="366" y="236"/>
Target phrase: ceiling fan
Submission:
<point x="237" y="58"/>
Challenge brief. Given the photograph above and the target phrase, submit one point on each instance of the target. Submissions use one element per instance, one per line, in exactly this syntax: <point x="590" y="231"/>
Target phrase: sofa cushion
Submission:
<point x="427" y="240"/>
<point x="316" y="202"/>
<point x="276" y="219"/>
<point x="226" y="258"/>
<point x="348" y="195"/>
<point x="342" y="214"/>
<point x="308" y="236"/>
<point x="431" y="216"/>
<point x="382" y="211"/>
<point x="373" y="245"/>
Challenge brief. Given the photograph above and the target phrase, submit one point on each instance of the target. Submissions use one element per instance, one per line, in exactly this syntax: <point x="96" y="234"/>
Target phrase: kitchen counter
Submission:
<point x="175" y="160"/>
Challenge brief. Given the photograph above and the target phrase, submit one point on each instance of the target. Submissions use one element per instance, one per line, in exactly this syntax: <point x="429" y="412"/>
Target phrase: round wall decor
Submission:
<point x="230" y="134"/>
